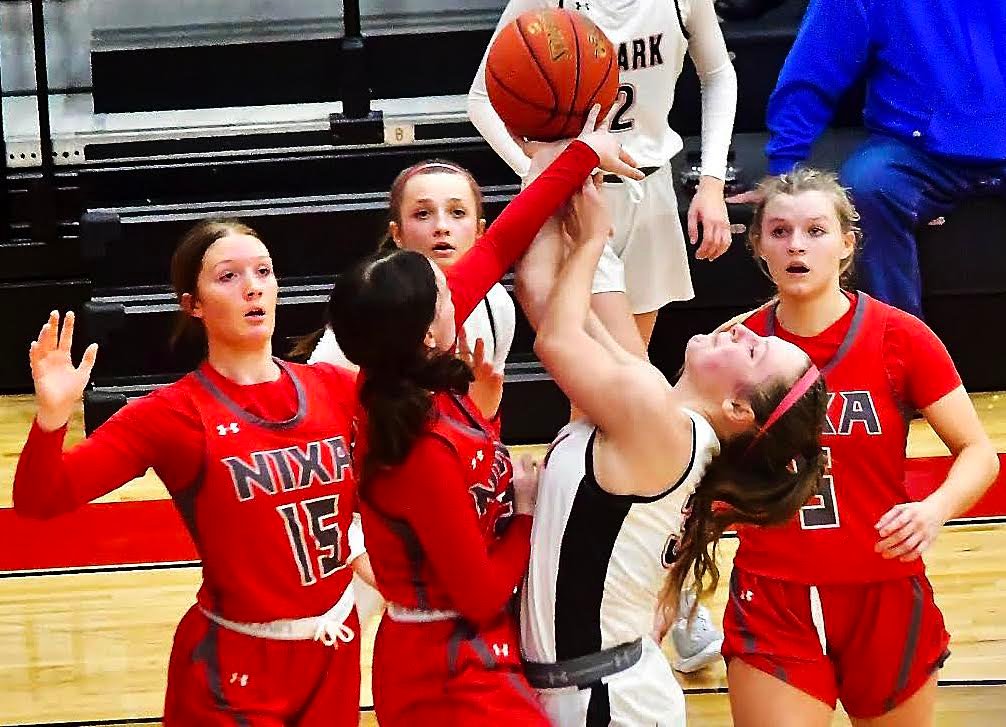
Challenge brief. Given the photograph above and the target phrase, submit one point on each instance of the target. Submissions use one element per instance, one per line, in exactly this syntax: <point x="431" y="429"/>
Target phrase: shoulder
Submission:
<point x="500" y="300"/>
<point x="335" y="377"/>
<point x="902" y="330"/>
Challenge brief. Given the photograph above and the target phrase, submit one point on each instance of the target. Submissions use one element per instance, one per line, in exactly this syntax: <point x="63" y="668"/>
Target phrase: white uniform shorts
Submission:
<point x="646" y="259"/>
<point x="644" y="694"/>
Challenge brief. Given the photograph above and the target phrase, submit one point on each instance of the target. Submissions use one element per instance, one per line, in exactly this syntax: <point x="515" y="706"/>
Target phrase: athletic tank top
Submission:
<point x="598" y="560"/>
<point x="271" y="511"/>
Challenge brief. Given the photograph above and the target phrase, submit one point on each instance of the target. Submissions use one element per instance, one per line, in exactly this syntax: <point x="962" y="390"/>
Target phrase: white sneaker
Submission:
<point x="698" y="643"/>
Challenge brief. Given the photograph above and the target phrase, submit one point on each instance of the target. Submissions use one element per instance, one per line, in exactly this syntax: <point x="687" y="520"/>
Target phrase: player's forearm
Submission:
<point x="718" y="82"/>
<point x="569" y="301"/>
<point x="484" y="117"/>
<point x="974" y="470"/>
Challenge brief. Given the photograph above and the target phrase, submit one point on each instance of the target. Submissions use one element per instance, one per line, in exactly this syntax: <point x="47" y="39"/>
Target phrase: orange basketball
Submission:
<point x="546" y="70"/>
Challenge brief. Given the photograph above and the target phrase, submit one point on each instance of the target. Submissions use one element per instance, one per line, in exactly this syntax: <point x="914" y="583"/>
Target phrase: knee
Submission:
<point x="870" y="176"/>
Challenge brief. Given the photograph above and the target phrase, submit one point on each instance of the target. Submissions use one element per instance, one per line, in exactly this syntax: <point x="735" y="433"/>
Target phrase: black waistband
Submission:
<point x="647" y="171"/>
<point x="584" y="670"/>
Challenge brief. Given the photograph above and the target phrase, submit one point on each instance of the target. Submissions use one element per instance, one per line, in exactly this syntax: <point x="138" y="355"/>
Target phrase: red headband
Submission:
<point x="800" y="388"/>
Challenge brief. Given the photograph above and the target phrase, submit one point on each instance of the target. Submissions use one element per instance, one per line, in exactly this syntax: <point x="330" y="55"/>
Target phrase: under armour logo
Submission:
<point x="747" y="596"/>
<point x="501" y="650"/>
<point x="223" y="429"/>
<point x="582" y="5"/>
<point x="242" y="679"/>
<point x="479" y="456"/>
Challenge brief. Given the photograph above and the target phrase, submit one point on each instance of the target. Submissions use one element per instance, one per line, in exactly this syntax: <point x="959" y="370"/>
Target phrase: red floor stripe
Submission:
<point x="152" y="532"/>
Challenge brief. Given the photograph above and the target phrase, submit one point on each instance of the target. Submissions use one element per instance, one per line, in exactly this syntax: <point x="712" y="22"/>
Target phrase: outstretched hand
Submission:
<point x="597" y="136"/>
<point x="58" y="383"/>
<point x="587" y="217"/>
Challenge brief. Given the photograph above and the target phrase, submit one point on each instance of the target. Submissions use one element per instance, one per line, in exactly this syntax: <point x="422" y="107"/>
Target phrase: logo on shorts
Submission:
<point x="747" y="596"/>
<point x="241" y="679"/>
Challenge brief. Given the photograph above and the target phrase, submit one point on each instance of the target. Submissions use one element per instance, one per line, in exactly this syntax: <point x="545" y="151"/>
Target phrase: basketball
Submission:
<point x="545" y="71"/>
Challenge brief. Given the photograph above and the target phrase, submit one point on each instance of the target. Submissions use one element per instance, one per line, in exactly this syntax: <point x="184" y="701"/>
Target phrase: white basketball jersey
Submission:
<point x="650" y="44"/>
<point x="598" y="560"/>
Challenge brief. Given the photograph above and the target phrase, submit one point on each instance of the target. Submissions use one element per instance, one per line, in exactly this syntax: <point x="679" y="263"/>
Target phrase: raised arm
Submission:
<point x="49" y="481"/>
<point x="613" y="389"/>
<point x="830" y="51"/>
<point x="482" y="113"/>
<point x="509" y="236"/>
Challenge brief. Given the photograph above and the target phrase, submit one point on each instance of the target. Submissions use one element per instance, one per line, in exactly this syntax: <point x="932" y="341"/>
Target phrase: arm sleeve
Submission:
<point x="471" y="277"/>
<point x="719" y="87"/>
<point x="918" y="364"/>
<point x="328" y="351"/>
<point x="482" y="114"/>
<point x="147" y="432"/>
<point x="830" y="52"/>
<point x="435" y="500"/>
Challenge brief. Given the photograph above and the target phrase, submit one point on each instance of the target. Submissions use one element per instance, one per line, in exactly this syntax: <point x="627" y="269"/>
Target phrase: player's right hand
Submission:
<point x="587" y="217"/>
<point x="525" y="485"/>
<point x="614" y="158"/>
<point x="58" y="383"/>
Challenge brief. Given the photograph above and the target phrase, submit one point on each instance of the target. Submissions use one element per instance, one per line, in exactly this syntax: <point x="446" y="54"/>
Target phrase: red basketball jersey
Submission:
<point x="405" y="575"/>
<point x="272" y="507"/>
<point x="832" y="539"/>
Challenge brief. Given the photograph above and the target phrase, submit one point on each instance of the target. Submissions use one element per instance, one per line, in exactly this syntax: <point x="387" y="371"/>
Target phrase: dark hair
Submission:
<point x="753" y="481"/>
<point x="380" y="311"/>
<point x="805" y="179"/>
<point x="305" y="345"/>
<point x="187" y="262"/>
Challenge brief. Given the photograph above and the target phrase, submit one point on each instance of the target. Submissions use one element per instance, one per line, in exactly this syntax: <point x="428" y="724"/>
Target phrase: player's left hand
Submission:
<point x="907" y="530"/>
<point x="487" y="389"/>
<point x="710" y="209"/>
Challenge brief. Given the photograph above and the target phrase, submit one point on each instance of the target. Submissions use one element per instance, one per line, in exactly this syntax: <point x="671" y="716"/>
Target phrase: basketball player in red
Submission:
<point x="256" y="455"/>
<point x="447" y="528"/>
<point x="836" y="605"/>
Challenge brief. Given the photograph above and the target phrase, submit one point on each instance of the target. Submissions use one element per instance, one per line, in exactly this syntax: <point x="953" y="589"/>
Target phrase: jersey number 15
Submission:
<point x="319" y="514"/>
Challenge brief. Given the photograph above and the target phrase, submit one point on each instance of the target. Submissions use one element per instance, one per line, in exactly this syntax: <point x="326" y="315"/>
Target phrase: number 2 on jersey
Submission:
<point x="327" y="537"/>
<point x="627" y="94"/>
<point x="822" y="511"/>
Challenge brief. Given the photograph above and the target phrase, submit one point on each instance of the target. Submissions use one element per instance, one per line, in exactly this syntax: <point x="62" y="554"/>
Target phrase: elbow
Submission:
<point x="31" y="508"/>
<point x="532" y="289"/>
<point x="482" y="610"/>
<point x="546" y="345"/>
<point x="994" y="465"/>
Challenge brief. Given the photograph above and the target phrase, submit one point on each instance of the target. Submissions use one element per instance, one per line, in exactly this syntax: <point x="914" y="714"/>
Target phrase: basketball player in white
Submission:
<point x="617" y="487"/>
<point x="645" y="264"/>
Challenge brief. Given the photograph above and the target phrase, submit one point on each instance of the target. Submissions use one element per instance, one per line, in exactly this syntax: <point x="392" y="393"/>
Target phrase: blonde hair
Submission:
<point x="805" y="179"/>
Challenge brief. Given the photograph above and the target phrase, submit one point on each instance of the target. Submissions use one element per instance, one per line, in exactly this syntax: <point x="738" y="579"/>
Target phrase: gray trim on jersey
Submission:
<point x="850" y="336"/>
<point x="584" y="670"/>
<point x="241" y="412"/>
<point x="414" y="552"/>
<point x="911" y="641"/>
<point x="208" y="651"/>
<point x="736" y="603"/>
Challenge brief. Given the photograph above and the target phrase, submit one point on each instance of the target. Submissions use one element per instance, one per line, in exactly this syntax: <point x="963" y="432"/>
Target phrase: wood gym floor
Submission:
<point x="89" y="646"/>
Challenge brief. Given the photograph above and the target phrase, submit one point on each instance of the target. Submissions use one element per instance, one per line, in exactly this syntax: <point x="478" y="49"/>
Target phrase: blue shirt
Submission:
<point x="935" y="76"/>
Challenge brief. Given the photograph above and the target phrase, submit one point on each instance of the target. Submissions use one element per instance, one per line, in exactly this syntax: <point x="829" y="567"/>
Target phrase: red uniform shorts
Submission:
<point x="219" y="677"/>
<point x="445" y="674"/>
<point x="883" y="640"/>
